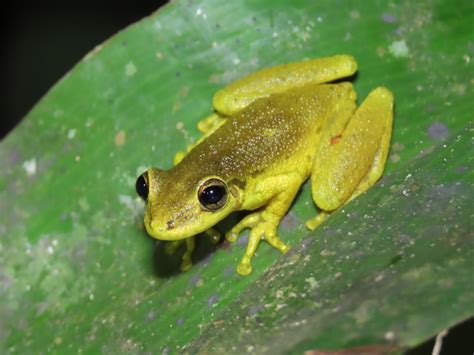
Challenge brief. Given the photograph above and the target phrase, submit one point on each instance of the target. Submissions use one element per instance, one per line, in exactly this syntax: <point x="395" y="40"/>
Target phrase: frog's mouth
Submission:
<point x="183" y="225"/>
<point x="173" y="230"/>
<point x="162" y="232"/>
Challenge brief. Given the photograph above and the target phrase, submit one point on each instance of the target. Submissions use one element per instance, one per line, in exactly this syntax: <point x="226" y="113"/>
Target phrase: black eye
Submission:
<point x="212" y="194"/>
<point x="142" y="186"/>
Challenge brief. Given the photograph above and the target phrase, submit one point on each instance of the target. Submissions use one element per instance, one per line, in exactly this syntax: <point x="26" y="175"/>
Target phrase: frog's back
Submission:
<point x="267" y="132"/>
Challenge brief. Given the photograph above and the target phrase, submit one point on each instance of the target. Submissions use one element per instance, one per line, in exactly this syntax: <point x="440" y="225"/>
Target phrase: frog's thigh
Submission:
<point x="351" y="162"/>
<point x="281" y="78"/>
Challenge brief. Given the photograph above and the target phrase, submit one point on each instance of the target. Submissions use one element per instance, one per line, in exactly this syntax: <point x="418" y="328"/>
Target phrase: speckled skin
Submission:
<point x="274" y="129"/>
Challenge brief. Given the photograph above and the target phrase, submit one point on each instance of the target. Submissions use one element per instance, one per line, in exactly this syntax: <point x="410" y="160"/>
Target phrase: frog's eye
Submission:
<point x="142" y="186"/>
<point x="212" y="194"/>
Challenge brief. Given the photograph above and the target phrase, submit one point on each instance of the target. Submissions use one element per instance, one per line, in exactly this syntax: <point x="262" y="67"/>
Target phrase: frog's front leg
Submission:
<point x="264" y="223"/>
<point x="173" y="246"/>
<point x="350" y="161"/>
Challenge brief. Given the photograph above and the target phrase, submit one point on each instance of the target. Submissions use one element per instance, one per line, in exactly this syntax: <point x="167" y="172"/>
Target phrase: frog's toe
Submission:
<point x="186" y="265"/>
<point x="178" y="157"/>
<point x="272" y="238"/>
<point x="284" y="248"/>
<point x="244" y="268"/>
<point x="231" y="236"/>
<point x="249" y="221"/>
<point x="314" y="222"/>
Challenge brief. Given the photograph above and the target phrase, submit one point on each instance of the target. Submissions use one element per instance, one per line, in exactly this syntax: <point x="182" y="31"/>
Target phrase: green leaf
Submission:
<point x="393" y="267"/>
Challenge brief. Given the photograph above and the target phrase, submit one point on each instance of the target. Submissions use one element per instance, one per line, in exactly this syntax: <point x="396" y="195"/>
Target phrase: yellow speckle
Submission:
<point x="159" y="55"/>
<point x="120" y="138"/>
<point x="58" y="340"/>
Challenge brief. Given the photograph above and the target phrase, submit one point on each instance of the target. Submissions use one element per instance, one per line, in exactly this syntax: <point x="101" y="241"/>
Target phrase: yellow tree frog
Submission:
<point x="270" y="132"/>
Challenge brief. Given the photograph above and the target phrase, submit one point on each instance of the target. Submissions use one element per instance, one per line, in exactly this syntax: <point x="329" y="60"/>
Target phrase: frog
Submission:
<point x="269" y="133"/>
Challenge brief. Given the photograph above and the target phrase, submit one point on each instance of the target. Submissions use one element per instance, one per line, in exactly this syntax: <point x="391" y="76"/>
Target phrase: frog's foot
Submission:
<point x="260" y="229"/>
<point x="314" y="222"/>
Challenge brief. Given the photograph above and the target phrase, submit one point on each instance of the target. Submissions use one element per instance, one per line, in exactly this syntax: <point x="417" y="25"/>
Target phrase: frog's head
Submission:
<point x="181" y="208"/>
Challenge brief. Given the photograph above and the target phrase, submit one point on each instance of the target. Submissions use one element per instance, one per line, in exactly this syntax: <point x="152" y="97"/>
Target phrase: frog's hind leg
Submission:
<point x="351" y="161"/>
<point x="281" y="78"/>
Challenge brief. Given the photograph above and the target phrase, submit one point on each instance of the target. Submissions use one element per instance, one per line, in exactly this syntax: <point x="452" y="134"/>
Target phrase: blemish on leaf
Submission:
<point x="120" y="138"/>
<point x="184" y="91"/>
<point x="30" y="166"/>
<point x="399" y="49"/>
<point x="253" y="310"/>
<point x="71" y="134"/>
<point x="354" y="14"/>
<point x="213" y="300"/>
<point x="326" y="252"/>
<point x="395" y="157"/>
<point x="389" y="18"/>
<point x="83" y="204"/>
<point x="130" y="69"/>
<point x="438" y="131"/>
<point x="151" y="315"/>
<point x="311" y="281"/>
<point x="289" y="222"/>
<point x="196" y="281"/>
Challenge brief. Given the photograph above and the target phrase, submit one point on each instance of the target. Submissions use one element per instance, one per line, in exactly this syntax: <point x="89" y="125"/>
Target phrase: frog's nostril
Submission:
<point x="170" y="224"/>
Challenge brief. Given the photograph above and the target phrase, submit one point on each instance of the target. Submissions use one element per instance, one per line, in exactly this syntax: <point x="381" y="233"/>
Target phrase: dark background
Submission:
<point x="40" y="42"/>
